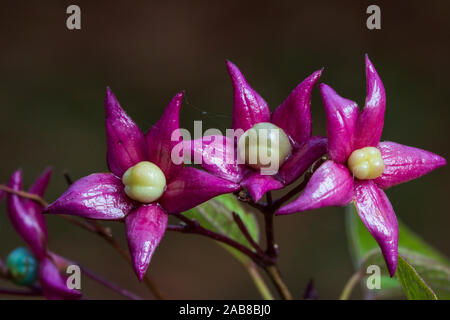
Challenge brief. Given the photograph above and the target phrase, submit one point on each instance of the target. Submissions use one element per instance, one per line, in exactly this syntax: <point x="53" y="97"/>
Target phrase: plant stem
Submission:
<point x="246" y="233"/>
<point x="350" y="285"/>
<point x="91" y="226"/>
<point x="259" y="282"/>
<point x="106" y="234"/>
<point x="147" y="280"/>
<point x="268" y="209"/>
<point x="195" y="228"/>
<point x="269" y="199"/>
<point x="24" y="194"/>
<point x="263" y="260"/>
<point x="21" y="292"/>
<point x="275" y="276"/>
<point x="271" y="249"/>
<point x="110" y="285"/>
<point x="299" y="188"/>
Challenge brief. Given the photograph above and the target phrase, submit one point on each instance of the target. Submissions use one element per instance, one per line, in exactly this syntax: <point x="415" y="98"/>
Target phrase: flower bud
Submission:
<point x="366" y="163"/>
<point x="145" y="182"/>
<point x="264" y="145"/>
<point x="22" y="267"/>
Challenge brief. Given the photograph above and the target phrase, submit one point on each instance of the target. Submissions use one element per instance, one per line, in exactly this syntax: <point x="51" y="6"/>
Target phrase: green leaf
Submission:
<point x="361" y="241"/>
<point x="433" y="267"/>
<point x="217" y="215"/>
<point x="413" y="285"/>
<point x="435" y="273"/>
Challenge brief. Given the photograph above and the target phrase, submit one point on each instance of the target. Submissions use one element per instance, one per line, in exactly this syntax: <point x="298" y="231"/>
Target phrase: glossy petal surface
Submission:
<point x="24" y="221"/>
<point x="294" y="114"/>
<point x="377" y="214"/>
<point x="302" y="158"/>
<point x="145" y="228"/>
<point x="218" y="155"/>
<point x="159" y="138"/>
<point x="404" y="163"/>
<point x="125" y="141"/>
<point x="248" y="107"/>
<point x="97" y="196"/>
<point x="192" y="187"/>
<point x="330" y="185"/>
<point x="341" y="117"/>
<point x="39" y="187"/>
<point x="258" y="184"/>
<point x="370" y="122"/>
<point x="54" y="286"/>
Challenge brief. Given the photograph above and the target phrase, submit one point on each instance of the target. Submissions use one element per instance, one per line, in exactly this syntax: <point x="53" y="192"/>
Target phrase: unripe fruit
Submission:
<point x="366" y="163"/>
<point x="145" y="182"/>
<point x="264" y="145"/>
<point x="22" y="267"/>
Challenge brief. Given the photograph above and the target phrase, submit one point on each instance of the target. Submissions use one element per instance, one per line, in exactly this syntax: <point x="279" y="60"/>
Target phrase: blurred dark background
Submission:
<point x="52" y="86"/>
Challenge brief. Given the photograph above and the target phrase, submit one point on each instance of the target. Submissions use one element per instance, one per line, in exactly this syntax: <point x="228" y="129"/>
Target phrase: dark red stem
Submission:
<point x="246" y="233"/>
<point x="110" y="285"/>
<point x="21" y="292"/>
<point x="192" y="226"/>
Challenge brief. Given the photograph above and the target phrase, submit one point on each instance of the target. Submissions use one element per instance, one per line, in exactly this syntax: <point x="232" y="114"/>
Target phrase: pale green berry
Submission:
<point x="145" y="182"/>
<point x="264" y="145"/>
<point x="366" y="163"/>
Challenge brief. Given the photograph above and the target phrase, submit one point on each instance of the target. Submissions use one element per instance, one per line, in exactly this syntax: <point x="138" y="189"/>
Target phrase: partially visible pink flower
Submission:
<point x="354" y="150"/>
<point x="26" y="215"/>
<point x="104" y="195"/>
<point x="29" y="222"/>
<point x="293" y="116"/>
